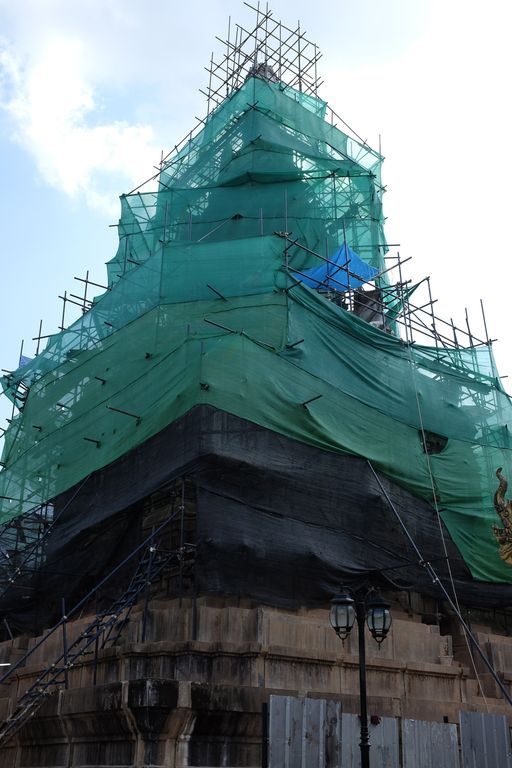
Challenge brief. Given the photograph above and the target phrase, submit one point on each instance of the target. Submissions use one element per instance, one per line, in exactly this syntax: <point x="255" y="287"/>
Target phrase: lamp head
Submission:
<point x="342" y="613"/>
<point x="378" y="618"/>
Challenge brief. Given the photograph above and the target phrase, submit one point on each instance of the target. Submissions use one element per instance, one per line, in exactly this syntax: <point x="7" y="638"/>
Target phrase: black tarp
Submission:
<point x="277" y="521"/>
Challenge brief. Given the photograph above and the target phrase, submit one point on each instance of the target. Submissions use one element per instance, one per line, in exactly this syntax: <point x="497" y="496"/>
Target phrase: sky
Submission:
<point x="92" y="91"/>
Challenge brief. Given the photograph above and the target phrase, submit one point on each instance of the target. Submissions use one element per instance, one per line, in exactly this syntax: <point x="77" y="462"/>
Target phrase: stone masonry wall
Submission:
<point x="192" y="693"/>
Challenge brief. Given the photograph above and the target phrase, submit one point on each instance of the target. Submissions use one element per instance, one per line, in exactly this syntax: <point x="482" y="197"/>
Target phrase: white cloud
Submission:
<point x="87" y="80"/>
<point x="53" y="114"/>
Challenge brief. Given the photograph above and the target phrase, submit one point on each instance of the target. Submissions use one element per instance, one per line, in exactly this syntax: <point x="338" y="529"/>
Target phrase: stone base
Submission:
<point x="192" y="695"/>
<point x="142" y="723"/>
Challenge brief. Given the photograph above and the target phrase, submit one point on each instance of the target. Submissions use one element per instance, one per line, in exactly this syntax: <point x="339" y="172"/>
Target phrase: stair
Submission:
<point x="104" y="630"/>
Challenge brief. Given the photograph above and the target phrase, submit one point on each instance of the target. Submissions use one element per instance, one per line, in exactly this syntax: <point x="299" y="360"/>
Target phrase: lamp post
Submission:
<point x="363" y="606"/>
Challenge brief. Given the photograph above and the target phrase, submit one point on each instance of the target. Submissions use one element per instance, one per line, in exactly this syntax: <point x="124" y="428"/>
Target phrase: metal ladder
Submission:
<point x="103" y="628"/>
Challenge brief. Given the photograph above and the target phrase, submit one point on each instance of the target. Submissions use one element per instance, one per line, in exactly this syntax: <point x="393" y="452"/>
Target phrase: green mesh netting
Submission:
<point x="201" y="309"/>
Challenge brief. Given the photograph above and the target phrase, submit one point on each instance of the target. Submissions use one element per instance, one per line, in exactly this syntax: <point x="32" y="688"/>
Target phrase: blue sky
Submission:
<point x="91" y="91"/>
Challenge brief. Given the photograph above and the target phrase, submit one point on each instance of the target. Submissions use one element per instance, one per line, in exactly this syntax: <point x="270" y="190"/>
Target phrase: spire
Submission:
<point x="263" y="71"/>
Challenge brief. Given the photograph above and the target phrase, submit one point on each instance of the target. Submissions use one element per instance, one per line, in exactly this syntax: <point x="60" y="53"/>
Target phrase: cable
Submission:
<point x="436" y="581"/>
<point x="436" y="507"/>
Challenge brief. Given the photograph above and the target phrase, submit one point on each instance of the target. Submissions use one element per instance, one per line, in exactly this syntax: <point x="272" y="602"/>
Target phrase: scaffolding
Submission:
<point x="211" y="269"/>
<point x="211" y="300"/>
<point x="149" y="561"/>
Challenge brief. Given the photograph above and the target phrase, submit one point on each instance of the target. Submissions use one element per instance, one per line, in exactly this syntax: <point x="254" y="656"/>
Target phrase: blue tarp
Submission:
<point x="332" y="274"/>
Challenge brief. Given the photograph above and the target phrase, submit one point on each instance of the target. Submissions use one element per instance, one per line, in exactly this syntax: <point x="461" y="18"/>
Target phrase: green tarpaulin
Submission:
<point x="202" y="308"/>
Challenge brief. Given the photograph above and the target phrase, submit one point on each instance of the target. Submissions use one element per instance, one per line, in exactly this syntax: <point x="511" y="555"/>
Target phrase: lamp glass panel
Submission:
<point x="342" y="616"/>
<point x="379" y="621"/>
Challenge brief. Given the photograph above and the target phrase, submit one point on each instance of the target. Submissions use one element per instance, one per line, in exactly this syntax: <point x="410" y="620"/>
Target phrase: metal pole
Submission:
<point x="6" y="624"/>
<point x="350" y="301"/>
<point x="65" y="643"/>
<point x="147" y="593"/>
<point x="432" y="313"/>
<point x="63" y="318"/>
<point x="39" y="337"/>
<point x="364" y="743"/>
<point x="469" y="329"/>
<point x="84" y="310"/>
<point x="95" y="667"/>
<point x="487" y="340"/>
<point x="227" y="56"/>
<point x="194" y="611"/>
<point x="182" y="537"/>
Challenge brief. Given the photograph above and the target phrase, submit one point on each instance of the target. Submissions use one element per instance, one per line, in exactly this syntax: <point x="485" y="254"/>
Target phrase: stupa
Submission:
<point x="256" y="409"/>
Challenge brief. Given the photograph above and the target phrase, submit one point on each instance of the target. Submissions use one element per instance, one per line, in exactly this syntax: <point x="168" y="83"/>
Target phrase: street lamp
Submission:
<point x="369" y="607"/>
